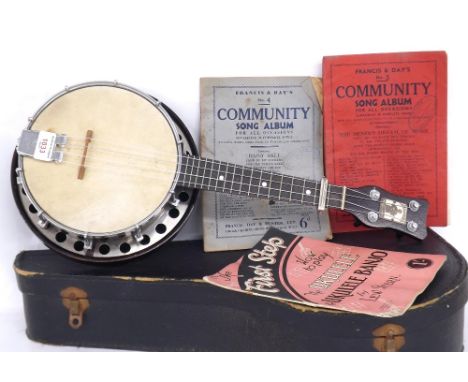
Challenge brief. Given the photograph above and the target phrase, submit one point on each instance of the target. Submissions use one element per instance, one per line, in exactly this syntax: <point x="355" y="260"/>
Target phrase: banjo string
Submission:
<point x="118" y="165"/>
<point x="155" y="159"/>
<point x="130" y="149"/>
<point x="329" y="199"/>
<point x="204" y="177"/>
<point x="158" y="152"/>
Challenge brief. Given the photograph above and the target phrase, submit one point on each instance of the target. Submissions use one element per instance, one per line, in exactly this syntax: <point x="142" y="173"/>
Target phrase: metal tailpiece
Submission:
<point x="41" y="145"/>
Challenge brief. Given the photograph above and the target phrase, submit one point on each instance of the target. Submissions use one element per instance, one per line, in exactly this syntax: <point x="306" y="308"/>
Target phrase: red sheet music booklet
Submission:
<point x="385" y="123"/>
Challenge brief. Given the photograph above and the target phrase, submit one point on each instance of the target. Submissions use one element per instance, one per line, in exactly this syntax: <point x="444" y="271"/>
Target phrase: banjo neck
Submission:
<point x="218" y="176"/>
<point x="371" y="205"/>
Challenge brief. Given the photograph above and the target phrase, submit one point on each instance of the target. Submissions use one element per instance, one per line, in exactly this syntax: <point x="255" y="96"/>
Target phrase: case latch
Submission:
<point x="389" y="338"/>
<point x="76" y="301"/>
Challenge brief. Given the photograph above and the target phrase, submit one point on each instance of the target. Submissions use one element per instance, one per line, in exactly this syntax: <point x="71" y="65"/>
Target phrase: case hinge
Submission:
<point x="389" y="338"/>
<point x="76" y="301"/>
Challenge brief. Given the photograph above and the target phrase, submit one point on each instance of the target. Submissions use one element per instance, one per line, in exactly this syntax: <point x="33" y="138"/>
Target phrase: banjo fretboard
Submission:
<point x="218" y="176"/>
<point x="371" y="205"/>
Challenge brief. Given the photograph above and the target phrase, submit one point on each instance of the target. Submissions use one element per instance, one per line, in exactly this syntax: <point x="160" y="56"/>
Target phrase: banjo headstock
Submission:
<point x="376" y="207"/>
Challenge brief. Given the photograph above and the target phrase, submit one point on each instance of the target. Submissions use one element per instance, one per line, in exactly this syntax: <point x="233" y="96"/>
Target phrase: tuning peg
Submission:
<point x="412" y="226"/>
<point x="372" y="216"/>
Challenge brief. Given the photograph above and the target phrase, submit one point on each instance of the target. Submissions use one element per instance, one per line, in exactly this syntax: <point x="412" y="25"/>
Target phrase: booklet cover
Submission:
<point x="385" y="123"/>
<point x="330" y="275"/>
<point x="269" y="123"/>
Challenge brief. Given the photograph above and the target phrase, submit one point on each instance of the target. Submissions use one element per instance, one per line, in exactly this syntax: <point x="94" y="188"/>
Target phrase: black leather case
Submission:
<point x="159" y="302"/>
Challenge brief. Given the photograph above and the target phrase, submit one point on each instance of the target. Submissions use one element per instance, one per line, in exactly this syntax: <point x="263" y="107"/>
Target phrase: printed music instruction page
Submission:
<point x="271" y="123"/>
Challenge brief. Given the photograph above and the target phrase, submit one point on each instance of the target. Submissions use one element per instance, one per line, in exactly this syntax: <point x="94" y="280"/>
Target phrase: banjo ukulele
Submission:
<point x="104" y="172"/>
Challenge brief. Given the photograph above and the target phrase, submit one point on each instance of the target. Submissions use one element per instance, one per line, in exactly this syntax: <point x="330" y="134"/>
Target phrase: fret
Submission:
<point x="236" y="179"/>
<point x="275" y="187"/>
<point x="224" y="175"/>
<point x="259" y="183"/>
<point x="217" y="175"/>
<point x="226" y="172"/>
<point x="280" y="187"/>
<point x="291" y="191"/>
<point x="250" y="181"/>
<point x="192" y="175"/>
<point x="191" y="171"/>
<point x="263" y="185"/>
<point x="241" y="180"/>
<point x="233" y="177"/>
<point x="184" y="171"/>
<point x="195" y="164"/>
<point x="183" y="166"/>
<point x="197" y="171"/>
<point x="199" y="179"/>
<point x="286" y="188"/>
<point x="303" y="191"/>
<point x="200" y="172"/>
<point x="254" y="185"/>
<point x="308" y="195"/>
<point x="297" y="189"/>
<point x="270" y="185"/>
<point x="247" y="176"/>
<point x="203" y="175"/>
<point x="210" y="175"/>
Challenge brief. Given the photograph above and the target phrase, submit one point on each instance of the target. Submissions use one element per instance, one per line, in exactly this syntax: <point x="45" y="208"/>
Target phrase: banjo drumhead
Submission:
<point x="129" y="167"/>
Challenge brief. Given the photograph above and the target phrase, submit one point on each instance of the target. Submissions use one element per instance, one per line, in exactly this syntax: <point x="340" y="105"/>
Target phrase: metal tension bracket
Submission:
<point x="41" y="145"/>
<point x="323" y="194"/>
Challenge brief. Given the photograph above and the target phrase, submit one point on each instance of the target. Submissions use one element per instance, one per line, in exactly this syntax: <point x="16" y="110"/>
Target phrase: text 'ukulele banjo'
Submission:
<point x="104" y="172"/>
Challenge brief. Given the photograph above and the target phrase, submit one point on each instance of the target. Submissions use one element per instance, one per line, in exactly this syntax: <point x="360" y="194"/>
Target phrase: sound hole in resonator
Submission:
<point x="104" y="249"/>
<point x="125" y="247"/>
<point x="183" y="196"/>
<point x="79" y="245"/>
<point x="174" y="212"/>
<point x="160" y="228"/>
<point x="61" y="236"/>
<point x="146" y="240"/>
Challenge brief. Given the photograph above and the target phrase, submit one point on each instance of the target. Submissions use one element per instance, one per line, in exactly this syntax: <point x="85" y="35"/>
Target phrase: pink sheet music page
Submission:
<point x="330" y="275"/>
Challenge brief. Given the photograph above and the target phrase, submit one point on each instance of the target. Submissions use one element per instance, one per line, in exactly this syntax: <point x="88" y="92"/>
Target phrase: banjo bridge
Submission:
<point x="82" y="168"/>
<point x="42" y="145"/>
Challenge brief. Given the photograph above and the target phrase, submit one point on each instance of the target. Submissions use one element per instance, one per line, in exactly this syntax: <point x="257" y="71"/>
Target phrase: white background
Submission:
<point x="163" y="48"/>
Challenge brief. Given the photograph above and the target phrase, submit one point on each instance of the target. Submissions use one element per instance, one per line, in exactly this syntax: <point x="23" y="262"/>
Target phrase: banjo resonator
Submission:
<point x="104" y="172"/>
